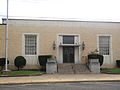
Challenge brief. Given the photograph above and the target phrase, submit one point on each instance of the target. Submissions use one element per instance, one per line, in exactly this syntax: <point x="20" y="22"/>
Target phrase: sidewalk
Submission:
<point x="47" y="78"/>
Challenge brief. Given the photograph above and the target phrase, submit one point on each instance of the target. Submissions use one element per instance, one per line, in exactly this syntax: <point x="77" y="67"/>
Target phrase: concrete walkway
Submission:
<point x="47" y="78"/>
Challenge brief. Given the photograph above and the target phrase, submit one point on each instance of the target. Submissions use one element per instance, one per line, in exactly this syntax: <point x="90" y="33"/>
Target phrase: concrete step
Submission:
<point x="65" y="68"/>
<point x="81" y="68"/>
<point x="70" y="68"/>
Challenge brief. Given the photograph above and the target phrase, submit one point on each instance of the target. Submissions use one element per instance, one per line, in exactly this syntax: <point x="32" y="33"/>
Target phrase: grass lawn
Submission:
<point x="111" y="71"/>
<point x="20" y="73"/>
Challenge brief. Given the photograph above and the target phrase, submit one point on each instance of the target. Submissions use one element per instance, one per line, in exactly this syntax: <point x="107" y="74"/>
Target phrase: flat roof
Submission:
<point x="62" y="20"/>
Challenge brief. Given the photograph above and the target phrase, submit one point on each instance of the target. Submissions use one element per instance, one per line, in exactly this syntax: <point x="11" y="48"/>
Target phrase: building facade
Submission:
<point x="69" y="41"/>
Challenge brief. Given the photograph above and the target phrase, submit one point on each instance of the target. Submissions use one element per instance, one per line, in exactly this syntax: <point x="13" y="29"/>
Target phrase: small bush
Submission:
<point x="20" y="62"/>
<point x="43" y="60"/>
<point x="2" y="62"/>
<point x="96" y="56"/>
<point x="118" y="63"/>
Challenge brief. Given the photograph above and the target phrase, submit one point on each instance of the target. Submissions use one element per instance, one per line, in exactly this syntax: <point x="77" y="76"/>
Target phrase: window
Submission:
<point x="104" y="45"/>
<point x="30" y="44"/>
<point x="68" y="39"/>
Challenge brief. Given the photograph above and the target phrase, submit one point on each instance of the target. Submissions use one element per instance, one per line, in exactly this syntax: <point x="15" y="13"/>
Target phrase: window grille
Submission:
<point x="30" y="44"/>
<point x="68" y="39"/>
<point x="104" y="45"/>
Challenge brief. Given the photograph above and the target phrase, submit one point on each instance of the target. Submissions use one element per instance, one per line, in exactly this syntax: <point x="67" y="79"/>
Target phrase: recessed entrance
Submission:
<point x="68" y="48"/>
<point x="68" y="54"/>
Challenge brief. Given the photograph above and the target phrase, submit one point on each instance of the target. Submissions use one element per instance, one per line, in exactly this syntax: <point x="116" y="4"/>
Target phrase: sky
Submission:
<point x="84" y="10"/>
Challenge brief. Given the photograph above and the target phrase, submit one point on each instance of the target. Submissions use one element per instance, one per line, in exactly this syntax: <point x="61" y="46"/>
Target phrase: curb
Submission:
<point x="111" y="73"/>
<point x="32" y="82"/>
<point x="23" y="75"/>
<point x="59" y="78"/>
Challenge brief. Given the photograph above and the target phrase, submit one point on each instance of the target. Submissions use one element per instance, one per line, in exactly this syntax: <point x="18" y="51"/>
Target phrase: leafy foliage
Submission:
<point x="43" y="60"/>
<point x="2" y="62"/>
<point x="118" y="63"/>
<point x="20" y="62"/>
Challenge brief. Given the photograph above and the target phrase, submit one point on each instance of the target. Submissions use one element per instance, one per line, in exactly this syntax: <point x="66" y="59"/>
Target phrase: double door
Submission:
<point x="68" y="54"/>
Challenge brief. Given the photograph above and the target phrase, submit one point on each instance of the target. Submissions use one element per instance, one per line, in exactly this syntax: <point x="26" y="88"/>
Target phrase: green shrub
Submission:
<point x="43" y="60"/>
<point x="96" y="56"/>
<point x="118" y="63"/>
<point x="20" y="62"/>
<point x="2" y="62"/>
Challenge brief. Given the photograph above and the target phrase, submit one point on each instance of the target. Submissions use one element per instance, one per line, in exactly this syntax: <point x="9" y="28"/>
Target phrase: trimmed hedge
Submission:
<point x="2" y="62"/>
<point x="118" y="63"/>
<point x="43" y="60"/>
<point x="96" y="56"/>
<point x="20" y="62"/>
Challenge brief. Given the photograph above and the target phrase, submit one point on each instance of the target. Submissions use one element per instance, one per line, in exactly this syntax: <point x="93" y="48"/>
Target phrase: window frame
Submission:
<point x="64" y="42"/>
<point x="110" y="47"/>
<point x="37" y="44"/>
<point x="76" y="39"/>
<point x="104" y="46"/>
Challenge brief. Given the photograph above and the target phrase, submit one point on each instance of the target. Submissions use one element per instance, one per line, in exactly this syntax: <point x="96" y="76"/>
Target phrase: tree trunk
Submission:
<point x="18" y="68"/>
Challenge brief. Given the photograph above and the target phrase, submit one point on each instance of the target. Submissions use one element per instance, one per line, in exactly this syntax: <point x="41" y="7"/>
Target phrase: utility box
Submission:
<point x="94" y="65"/>
<point x="51" y="66"/>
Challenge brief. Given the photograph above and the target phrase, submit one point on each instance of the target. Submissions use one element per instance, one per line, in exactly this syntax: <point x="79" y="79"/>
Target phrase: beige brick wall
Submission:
<point x="2" y="40"/>
<point x="48" y="31"/>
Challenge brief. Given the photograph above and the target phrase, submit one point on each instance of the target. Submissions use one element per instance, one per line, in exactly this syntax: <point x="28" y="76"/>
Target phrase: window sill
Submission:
<point x="69" y="45"/>
<point x="30" y="55"/>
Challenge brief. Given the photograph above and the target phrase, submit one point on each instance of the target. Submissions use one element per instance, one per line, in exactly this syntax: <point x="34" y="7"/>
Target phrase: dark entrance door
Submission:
<point x="68" y="54"/>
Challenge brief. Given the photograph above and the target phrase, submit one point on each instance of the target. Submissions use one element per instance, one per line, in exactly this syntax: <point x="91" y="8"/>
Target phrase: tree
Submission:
<point x="20" y="62"/>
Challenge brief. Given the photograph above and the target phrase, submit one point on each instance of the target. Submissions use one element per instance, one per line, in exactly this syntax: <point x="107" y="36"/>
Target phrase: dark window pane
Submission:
<point x="68" y="39"/>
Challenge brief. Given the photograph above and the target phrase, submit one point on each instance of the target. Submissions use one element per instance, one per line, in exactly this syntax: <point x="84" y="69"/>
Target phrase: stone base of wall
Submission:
<point x="12" y="67"/>
<point x="109" y="66"/>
